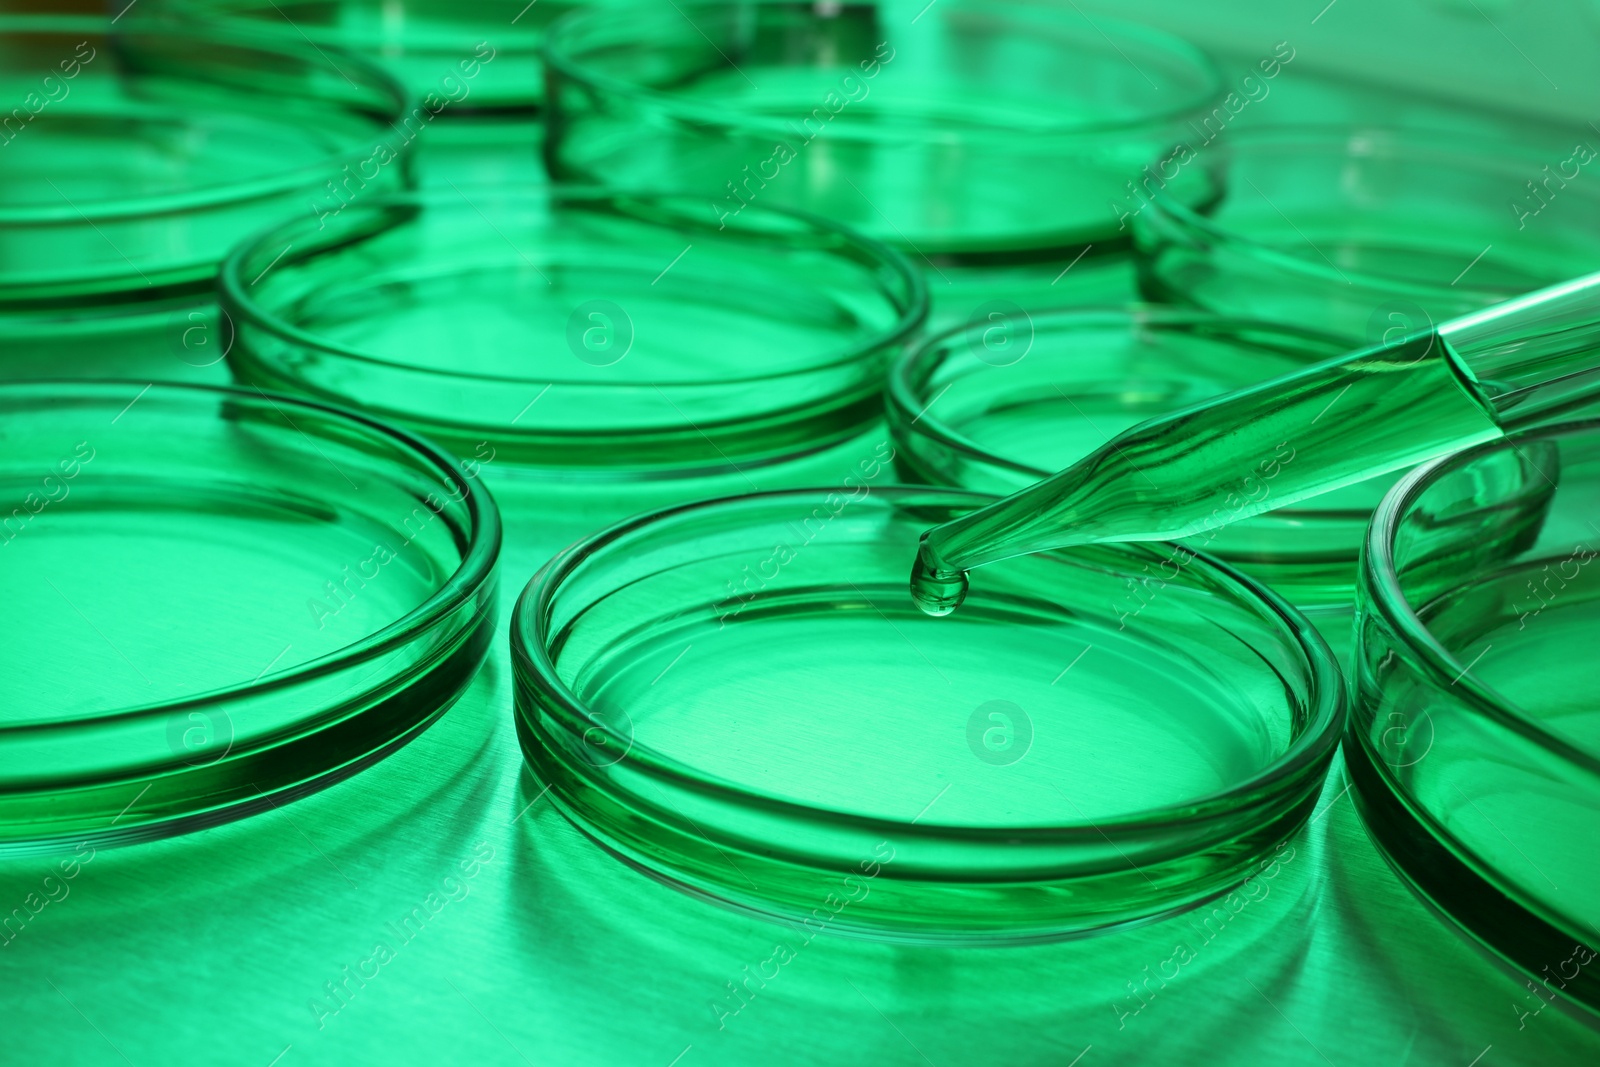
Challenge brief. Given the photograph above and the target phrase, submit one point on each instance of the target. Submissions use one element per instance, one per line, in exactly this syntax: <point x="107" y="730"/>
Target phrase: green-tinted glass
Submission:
<point x="134" y="160"/>
<point x="1368" y="233"/>
<point x="1000" y="406"/>
<point x="694" y="685"/>
<point x="1476" y="747"/>
<point x="991" y="141"/>
<point x="576" y="331"/>
<point x="471" y="70"/>
<point x="597" y="354"/>
<point x="243" y="595"/>
<point x="1271" y="445"/>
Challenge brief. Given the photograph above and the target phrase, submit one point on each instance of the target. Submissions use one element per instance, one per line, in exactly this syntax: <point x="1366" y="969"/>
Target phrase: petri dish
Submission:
<point x="136" y="158"/>
<point x="997" y="406"/>
<point x="970" y="135"/>
<point x="472" y="72"/>
<point x="1474" y="742"/>
<point x="580" y="333"/>
<point x="1368" y="233"/>
<point x="740" y="698"/>
<point x="228" y="599"/>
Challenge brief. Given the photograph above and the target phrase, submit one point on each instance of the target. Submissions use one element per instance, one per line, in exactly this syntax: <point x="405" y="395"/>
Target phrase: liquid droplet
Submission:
<point x="936" y="589"/>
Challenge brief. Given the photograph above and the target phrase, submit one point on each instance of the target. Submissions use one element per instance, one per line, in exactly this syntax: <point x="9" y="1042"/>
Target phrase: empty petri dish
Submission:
<point x="1370" y="234"/>
<point x="224" y="599"/>
<point x="135" y="159"/>
<point x="582" y="333"/>
<point x="968" y="134"/>
<point x="999" y="405"/>
<point x="1474" y="744"/>
<point x="740" y="698"/>
<point x="472" y="72"/>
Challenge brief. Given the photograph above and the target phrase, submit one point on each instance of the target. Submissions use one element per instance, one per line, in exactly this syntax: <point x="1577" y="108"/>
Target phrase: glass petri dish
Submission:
<point x="472" y="71"/>
<point x="740" y="698"/>
<point x="228" y="599"/>
<point x="581" y="333"/>
<point x="1370" y="234"/>
<point x="997" y="406"/>
<point x="1474" y="744"/>
<point x="962" y="129"/>
<point x="136" y="158"/>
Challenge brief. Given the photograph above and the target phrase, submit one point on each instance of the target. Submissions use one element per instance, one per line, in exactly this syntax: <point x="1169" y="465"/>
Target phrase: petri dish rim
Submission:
<point x="560" y="60"/>
<point x="900" y="391"/>
<point x="210" y="195"/>
<point x="477" y="566"/>
<point x="1391" y="141"/>
<point x="1315" y="741"/>
<point x="236" y="301"/>
<point x="1389" y="600"/>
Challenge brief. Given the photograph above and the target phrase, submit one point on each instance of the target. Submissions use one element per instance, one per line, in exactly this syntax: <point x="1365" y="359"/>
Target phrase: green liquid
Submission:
<point x="1202" y="468"/>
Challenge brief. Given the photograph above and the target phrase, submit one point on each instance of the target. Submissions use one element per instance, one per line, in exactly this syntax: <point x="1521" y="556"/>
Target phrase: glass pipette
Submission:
<point x="1377" y="410"/>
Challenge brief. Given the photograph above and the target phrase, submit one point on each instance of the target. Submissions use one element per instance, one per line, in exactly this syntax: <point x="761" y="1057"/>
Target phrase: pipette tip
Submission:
<point x="936" y="589"/>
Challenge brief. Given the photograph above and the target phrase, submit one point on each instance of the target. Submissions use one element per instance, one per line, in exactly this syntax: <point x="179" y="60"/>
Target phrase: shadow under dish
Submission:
<point x="220" y="599"/>
<point x="740" y="698"/>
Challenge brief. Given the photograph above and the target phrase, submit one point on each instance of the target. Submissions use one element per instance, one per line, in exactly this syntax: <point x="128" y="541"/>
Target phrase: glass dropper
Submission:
<point x="1377" y="410"/>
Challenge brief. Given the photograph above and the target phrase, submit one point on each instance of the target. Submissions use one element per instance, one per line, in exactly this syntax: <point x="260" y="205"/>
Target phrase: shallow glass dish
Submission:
<point x="999" y="405"/>
<point x="479" y="57"/>
<point x="134" y="160"/>
<point x="739" y="697"/>
<point x="969" y="127"/>
<point x="1474" y="744"/>
<point x="219" y="600"/>
<point x="471" y="70"/>
<point x="1370" y="234"/>
<point x="580" y="332"/>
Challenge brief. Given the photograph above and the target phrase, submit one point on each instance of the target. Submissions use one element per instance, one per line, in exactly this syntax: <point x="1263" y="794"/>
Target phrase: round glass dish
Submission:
<point x="133" y="160"/>
<point x="966" y="128"/>
<point x="219" y="600"/>
<point x="1474" y="745"/>
<point x="739" y="697"/>
<point x="585" y="333"/>
<point x="480" y="57"/>
<point x="997" y="406"/>
<point x="1370" y="234"/>
<point x="472" y="70"/>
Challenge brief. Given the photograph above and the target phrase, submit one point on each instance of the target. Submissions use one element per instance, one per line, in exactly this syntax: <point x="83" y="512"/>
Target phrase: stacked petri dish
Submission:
<point x="991" y="142"/>
<point x="1473" y="743"/>
<point x="138" y="158"/>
